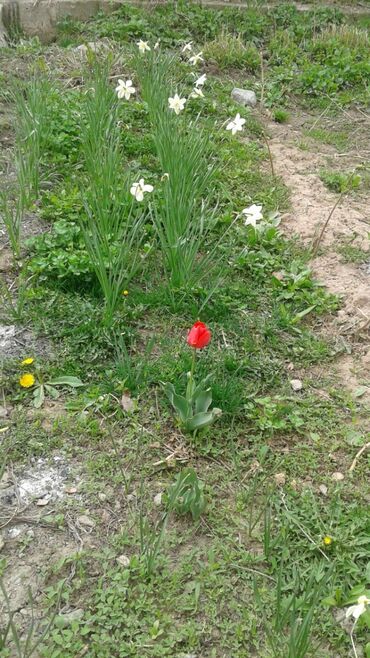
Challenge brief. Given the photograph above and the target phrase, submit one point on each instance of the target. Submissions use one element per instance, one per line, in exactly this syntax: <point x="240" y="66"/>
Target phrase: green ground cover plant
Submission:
<point x="161" y="218"/>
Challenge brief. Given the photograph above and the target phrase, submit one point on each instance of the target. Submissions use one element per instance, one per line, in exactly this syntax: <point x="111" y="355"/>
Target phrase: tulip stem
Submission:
<point x="190" y="386"/>
<point x="193" y="363"/>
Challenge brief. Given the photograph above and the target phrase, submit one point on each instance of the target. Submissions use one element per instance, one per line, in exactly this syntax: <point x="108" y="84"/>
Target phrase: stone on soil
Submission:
<point x="244" y="97"/>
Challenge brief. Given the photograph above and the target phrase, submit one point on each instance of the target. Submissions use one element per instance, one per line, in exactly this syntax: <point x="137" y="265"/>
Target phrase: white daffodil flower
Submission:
<point x="176" y="103"/>
<point x="197" y="93"/>
<point x="200" y="82"/>
<point x="187" y="48"/>
<point x="138" y="189"/>
<point x="196" y="58"/>
<point x="236" y="124"/>
<point x="143" y="46"/>
<point x="253" y="214"/>
<point x="359" y="608"/>
<point x="125" y="89"/>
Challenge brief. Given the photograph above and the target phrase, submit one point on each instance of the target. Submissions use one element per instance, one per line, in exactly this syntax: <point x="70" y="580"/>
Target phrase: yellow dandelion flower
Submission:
<point x="327" y="541"/>
<point x="28" y="361"/>
<point x="27" y="380"/>
<point x="125" y="293"/>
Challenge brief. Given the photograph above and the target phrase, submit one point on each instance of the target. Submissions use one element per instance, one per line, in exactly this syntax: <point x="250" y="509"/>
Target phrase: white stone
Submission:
<point x="244" y="97"/>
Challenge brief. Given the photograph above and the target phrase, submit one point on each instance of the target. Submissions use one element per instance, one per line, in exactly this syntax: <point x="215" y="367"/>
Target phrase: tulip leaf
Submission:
<point x="199" y="421"/>
<point x="203" y="401"/>
<point x="182" y="407"/>
<point x="201" y="386"/>
<point x="169" y="390"/>
<point x="190" y="389"/>
<point x="66" y="380"/>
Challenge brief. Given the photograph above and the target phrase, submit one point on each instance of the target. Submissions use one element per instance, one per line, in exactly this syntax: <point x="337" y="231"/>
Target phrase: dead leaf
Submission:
<point x="71" y="490"/>
<point x="42" y="502"/>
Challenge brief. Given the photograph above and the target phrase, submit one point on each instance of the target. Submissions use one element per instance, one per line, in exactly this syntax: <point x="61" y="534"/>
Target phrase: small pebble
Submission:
<point x="337" y="476"/>
<point x="158" y="499"/>
<point x="123" y="560"/>
<point x="296" y="385"/>
<point x="14" y="532"/>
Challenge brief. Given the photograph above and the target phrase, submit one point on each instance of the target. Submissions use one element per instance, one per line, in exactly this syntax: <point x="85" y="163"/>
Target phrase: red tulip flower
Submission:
<point x="199" y="336"/>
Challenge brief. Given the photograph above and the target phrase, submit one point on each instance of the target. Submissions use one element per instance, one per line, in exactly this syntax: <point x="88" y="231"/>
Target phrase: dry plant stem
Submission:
<point x="360" y="452"/>
<point x="262" y="98"/>
<point x="317" y="241"/>
<point x="269" y="152"/>
<point x="352" y="641"/>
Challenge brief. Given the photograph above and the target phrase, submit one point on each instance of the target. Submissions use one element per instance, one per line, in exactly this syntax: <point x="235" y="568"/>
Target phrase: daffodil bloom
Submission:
<point x="125" y="89"/>
<point x="138" y="189"/>
<point x="359" y="608"/>
<point x="143" y="46"/>
<point x="200" y="82"/>
<point x="27" y="380"/>
<point x="187" y="48"/>
<point x="236" y="124"/>
<point x="253" y="214"/>
<point x="197" y="93"/>
<point x="28" y="361"/>
<point x="196" y="58"/>
<point x="176" y="103"/>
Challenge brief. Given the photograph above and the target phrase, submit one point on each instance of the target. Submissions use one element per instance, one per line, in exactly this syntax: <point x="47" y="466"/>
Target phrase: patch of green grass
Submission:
<point x="229" y="51"/>
<point x="352" y="254"/>
<point x="337" y="138"/>
<point x="340" y="182"/>
<point x="280" y="115"/>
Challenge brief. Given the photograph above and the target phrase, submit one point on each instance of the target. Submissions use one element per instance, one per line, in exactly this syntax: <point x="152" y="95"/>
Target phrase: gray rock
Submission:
<point x="244" y="97"/>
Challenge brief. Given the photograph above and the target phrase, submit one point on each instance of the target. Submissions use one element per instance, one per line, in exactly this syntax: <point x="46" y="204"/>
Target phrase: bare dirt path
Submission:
<point x="298" y="162"/>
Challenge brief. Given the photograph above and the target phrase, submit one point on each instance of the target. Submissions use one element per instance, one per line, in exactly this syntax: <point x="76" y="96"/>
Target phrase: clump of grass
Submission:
<point x="32" y="131"/>
<point x="230" y="51"/>
<point x="352" y="254"/>
<point x="337" y="181"/>
<point x="280" y="115"/>
<point x="32" y="128"/>
<point x="347" y="35"/>
<point x="337" y="138"/>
